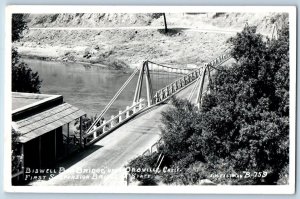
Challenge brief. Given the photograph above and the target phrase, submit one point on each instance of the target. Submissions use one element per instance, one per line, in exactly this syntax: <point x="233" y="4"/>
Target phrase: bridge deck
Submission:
<point x="114" y="150"/>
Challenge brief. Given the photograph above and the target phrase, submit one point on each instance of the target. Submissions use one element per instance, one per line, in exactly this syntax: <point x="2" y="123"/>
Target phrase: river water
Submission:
<point x="88" y="87"/>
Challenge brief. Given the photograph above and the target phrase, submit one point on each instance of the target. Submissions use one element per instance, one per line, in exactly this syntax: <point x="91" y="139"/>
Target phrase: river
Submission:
<point x="89" y="87"/>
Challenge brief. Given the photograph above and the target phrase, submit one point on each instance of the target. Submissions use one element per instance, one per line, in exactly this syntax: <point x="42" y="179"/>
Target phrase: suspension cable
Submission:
<point x="113" y="99"/>
<point x="164" y="66"/>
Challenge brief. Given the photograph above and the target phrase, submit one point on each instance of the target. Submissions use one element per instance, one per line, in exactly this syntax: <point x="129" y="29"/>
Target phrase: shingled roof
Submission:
<point x="46" y="121"/>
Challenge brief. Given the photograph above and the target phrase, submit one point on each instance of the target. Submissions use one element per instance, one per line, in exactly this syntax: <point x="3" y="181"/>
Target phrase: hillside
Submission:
<point x="264" y="21"/>
<point x="88" y="20"/>
<point x="130" y="47"/>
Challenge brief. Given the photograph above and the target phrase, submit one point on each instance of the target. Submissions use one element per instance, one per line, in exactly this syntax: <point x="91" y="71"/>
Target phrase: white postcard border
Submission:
<point x="221" y="189"/>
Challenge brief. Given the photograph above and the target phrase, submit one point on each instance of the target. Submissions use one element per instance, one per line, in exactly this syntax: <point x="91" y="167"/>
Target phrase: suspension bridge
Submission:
<point x="100" y="127"/>
<point x="136" y="128"/>
<point x="200" y="77"/>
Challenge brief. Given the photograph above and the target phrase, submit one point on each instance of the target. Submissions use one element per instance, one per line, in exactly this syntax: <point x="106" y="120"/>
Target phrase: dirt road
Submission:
<point x="185" y="28"/>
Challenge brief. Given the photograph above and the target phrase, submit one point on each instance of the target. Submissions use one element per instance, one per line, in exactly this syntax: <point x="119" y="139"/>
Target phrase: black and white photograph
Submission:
<point x="153" y="99"/>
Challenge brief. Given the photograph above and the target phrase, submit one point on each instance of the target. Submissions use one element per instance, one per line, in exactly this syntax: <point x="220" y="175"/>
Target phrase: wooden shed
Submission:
<point x="43" y="122"/>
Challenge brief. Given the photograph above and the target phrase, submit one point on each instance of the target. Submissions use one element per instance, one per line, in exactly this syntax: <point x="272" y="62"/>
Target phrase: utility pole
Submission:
<point x="165" y="21"/>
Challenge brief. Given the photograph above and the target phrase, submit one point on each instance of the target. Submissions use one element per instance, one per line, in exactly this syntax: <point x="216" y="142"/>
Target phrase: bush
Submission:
<point x="23" y="79"/>
<point x="218" y="14"/>
<point x="117" y="64"/>
<point x="143" y="168"/>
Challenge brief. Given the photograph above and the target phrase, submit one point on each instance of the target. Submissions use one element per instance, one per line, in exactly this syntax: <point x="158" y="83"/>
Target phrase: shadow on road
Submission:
<point x="64" y="164"/>
<point x="78" y="156"/>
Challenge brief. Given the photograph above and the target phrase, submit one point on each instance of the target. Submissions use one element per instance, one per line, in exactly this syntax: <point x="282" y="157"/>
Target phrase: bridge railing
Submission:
<point x="115" y="121"/>
<point x="154" y="147"/>
<point x="179" y="84"/>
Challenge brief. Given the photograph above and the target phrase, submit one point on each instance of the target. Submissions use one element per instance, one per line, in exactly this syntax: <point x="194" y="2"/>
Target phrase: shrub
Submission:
<point x="16" y="157"/>
<point x="218" y="14"/>
<point x="143" y="168"/>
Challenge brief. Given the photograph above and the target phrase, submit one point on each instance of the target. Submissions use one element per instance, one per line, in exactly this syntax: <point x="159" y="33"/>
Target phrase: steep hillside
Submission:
<point x="88" y="20"/>
<point x="129" y="47"/>
<point x="233" y="20"/>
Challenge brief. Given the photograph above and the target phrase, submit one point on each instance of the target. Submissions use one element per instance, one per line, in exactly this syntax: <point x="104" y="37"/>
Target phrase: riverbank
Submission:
<point x="120" y="49"/>
<point x="63" y="54"/>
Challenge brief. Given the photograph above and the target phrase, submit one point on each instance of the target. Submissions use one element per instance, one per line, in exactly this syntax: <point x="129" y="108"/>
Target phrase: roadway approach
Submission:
<point x="104" y="164"/>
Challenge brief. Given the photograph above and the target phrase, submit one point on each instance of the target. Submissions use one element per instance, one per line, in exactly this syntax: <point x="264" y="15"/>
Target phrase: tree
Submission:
<point x="245" y="118"/>
<point x="158" y="15"/>
<point x="23" y="78"/>
<point x="243" y="125"/>
<point x="18" y="26"/>
<point x="181" y="126"/>
<point x="16" y="158"/>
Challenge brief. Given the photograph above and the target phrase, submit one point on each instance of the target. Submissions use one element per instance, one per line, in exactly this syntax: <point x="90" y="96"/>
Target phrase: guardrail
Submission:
<point x="184" y="81"/>
<point x="116" y="120"/>
<point x="154" y="147"/>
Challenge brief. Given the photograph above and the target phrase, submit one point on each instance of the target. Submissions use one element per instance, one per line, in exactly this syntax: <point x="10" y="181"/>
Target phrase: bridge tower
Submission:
<point x="205" y="73"/>
<point x="137" y="95"/>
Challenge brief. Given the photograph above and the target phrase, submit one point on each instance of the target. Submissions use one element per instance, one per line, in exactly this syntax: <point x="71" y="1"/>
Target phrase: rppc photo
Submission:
<point x="150" y="99"/>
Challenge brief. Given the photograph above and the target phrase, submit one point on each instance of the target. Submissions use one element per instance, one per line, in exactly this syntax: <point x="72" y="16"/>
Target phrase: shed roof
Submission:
<point x="22" y="101"/>
<point x="43" y="122"/>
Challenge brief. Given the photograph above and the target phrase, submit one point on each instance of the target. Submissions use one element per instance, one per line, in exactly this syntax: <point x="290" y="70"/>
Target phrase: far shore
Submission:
<point x="58" y="54"/>
<point x="51" y="59"/>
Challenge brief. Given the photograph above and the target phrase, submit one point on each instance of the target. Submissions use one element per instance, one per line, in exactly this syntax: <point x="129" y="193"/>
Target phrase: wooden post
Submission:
<point x="40" y="151"/>
<point x="120" y="116"/>
<point x="141" y="104"/>
<point x="127" y="112"/>
<point x="104" y="126"/>
<point x="55" y="147"/>
<point x="80" y="132"/>
<point x="68" y="138"/>
<point x="134" y="107"/>
<point x="112" y="123"/>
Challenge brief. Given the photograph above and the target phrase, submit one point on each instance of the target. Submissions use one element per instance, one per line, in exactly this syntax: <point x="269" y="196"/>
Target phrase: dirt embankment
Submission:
<point x="122" y="48"/>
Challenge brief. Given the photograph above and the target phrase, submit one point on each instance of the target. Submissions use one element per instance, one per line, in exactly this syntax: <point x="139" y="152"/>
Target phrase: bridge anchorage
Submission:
<point x="154" y="96"/>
